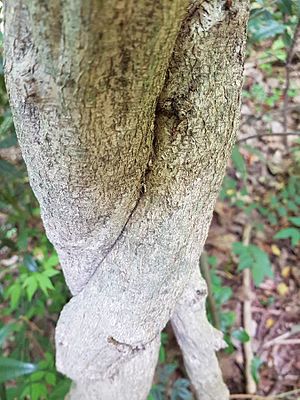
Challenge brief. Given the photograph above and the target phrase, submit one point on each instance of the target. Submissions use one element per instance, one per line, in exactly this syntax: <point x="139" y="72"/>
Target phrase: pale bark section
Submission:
<point x="198" y="341"/>
<point x="132" y="381"/>
<point x="126" y="120"/>
<point x="83" y="78"/>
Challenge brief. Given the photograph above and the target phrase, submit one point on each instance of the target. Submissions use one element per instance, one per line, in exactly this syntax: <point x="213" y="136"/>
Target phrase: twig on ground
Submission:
<point x="250" y="396"/>
<point x="282" y="339"/>
<point x="288" y="342"/>
<point x="257" y="397"/>
<point x="290" y="393"/>
<point x="288" y="67"/>
<point x="247" y="318"/>
<point x="204" y="267"/>
<point x="263" y="310"/>
<point x="261" y="135"/>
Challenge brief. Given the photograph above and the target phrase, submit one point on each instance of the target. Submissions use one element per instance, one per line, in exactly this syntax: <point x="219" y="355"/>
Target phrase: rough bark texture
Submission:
<point x="126" y="113"/>
<point x="198" y="341"/>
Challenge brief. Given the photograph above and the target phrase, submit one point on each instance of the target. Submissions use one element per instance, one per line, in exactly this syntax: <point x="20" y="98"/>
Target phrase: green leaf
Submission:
<point x="5" y="332"/>
<point x="51" y="272"/>
<point x="50" y="378"/>
<point x="289" y="233"/>
<point x="255" y="259"/>
<point x="267" y="29"/>
<point x="238" y="248"/>
<point x="297" y="6"/>
<point x="8" y="170"/>
<point x="36" y="391"/>
<point x="37" y="376"/>
<point x="255" y="367"/>
<point x="52" y="261"/>
<point x="30" y="263"/>
<point x="222" y="294"/>
<point x="285" y="6"/>
<point x="241" y="335"/>
<point x="180" y="390"/>
<point x="162" y="354"/>
<point x="261" y="267"/>
<point x="14" y="292"/>
<point x="31" y="286"/>
<point x="5" y="127"/>
<point x="227" y="319"/>
<point x="239" y="162"/>
<point x="8" y="142"/>
<point x="212" y="260"/>
<point x="44" y="283"/>
<point x="295" y="221"/>
<point x="3" y="393"/>
<point x="11" y="369"/>
<point x="246" y="261"/>
<point x="61" y="389"/>
<point x="157" y="392"/>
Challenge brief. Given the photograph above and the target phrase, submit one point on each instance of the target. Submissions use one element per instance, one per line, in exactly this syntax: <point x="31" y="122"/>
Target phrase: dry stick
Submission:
<point x="288" y="67"/>
<point x="260" y="135"/>
<point x="288" y="342"/>
<point x="257" y="397"/>
<point x="282" y="338"/>
<point x="204" y="267"/>
<point x="247" y="318"/>
<point x="291" y="392"/>
<point x="250" y="396"/>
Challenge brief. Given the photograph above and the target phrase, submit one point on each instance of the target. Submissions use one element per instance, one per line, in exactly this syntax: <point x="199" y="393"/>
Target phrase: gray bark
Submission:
<point x="198" y="341"/>
<point x="126" y="113"/>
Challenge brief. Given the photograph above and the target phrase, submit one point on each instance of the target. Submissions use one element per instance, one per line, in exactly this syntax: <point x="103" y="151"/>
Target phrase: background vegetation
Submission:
<point x="254" y="236"/>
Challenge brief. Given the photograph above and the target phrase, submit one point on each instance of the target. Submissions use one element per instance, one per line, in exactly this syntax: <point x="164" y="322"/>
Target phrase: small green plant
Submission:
<point x="255" y="259"/>
<point x="178" y="389"/>
<point x="267" y="21"/>
<point x="292" y="233"/>
<point x="255" y="368"/>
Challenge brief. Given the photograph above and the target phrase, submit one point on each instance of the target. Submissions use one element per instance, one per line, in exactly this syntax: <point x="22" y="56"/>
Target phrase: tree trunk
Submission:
<point x="126" y="113"/>
<point x="199" y="341"/>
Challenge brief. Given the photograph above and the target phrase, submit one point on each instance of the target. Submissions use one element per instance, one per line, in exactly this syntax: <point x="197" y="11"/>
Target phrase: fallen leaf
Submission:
<point x="269" y="323"/>
<point x="285" y="272"/>
<point x="230" y="192"/>
<point x="282" y="289"/>
<point x="275" y="250"/>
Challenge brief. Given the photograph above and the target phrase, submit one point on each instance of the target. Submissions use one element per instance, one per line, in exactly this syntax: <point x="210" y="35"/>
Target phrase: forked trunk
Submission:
<point x="126" y="113"/>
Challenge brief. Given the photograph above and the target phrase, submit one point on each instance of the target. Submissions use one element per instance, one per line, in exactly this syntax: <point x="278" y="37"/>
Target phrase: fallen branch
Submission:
<point x="247" y="318"/>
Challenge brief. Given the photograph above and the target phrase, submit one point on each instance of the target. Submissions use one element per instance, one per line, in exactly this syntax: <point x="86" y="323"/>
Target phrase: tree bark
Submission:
<point x="198" y="341"/>
<point x="126" y="113"/>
